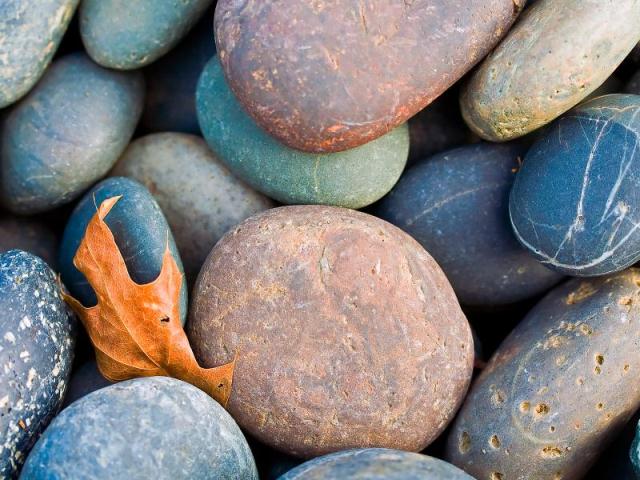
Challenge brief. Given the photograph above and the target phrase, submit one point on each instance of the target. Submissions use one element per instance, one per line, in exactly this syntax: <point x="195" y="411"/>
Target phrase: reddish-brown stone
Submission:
<point x="347" y="332"/>
<point x="328" y="75"/>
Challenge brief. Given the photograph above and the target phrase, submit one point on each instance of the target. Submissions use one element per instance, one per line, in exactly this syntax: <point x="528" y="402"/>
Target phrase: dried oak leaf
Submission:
<point x="135" y="329"/>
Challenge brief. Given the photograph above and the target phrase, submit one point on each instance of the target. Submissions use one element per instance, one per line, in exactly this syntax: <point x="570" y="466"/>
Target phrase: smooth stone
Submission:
<point x="559" y="388"/>
<point x="36" y="353"/>
<point x="555" y="56"/>
<point x="30" y="235"/>
<point x="170" y="103"/>
<point x="30" y="32"/>
<point x="155" y="427"/>
<point x="139" y="228"/>
<point x="354" y="178"/>
<point x="575" y="203"/>
<point x="125" y="34"/>
<point x="456" y="205"/>
<point x="67" y="133"/>
<point x="345" y="72"/>
<point x="376" y="464"/>
<point x="200" y="198"/>
<point x="84" y="380"/>
<point x="347" y="332"/>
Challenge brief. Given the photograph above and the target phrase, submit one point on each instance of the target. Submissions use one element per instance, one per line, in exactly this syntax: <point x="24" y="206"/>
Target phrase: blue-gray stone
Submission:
<point x="170" y="104"/>
<point x="146" y="428"/>
<point x="36" y="353"/>
<point x="30" y="32"/>
<point x="375" y="464"/>
<point x="67" y="133"/>
<point x="634" y="453"/>
<point x="125" y="34"/>
<point x="576" y="201"/>
<point x="456" y="204"/>
<point x="140" y="230"/>
<point x="353" y="178"/>
<point x="84" y="379"/>
<point x="30" y="235"/>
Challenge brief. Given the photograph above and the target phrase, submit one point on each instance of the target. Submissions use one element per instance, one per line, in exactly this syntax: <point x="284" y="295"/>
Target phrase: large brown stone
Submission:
<point x="328" y="75"/>
<point x="347" y="332"/>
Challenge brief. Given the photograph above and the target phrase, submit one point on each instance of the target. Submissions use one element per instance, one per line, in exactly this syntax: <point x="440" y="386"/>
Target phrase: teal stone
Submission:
<point x="353" y="178"/>
<point x="125" y="34"/>
<point x="67" y="133"/>
<point x="30" y="32"/>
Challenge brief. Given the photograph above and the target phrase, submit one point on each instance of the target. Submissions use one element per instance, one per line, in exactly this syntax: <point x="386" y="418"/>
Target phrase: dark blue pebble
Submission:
<point x="36" y="353"/>
<point x="146" y="428"/>
<point x="456" y="205"/>
<point x="170" y="103"/>
<point x="375" y="464"/>
<point x="576" y="200"/>
<point x="67" y="133"/>
<point x="84" y="379"/>
<point x="139" y="227"/>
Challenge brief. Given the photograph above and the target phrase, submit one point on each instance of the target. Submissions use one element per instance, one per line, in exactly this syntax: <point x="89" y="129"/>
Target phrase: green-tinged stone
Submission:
<point x="353" y="178"/>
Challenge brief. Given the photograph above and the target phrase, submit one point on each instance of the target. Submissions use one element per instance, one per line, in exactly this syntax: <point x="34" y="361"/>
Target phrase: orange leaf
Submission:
<point x="135" y="329"/>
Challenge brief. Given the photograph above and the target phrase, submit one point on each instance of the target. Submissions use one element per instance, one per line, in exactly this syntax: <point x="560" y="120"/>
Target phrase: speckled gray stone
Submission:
<point x="199" y="196"/>
<point x="146" y="428"/>
<point x="30" y="32"/>
<point x="67" y="133"/>
<point x="30" y="235"/>
<point x="36" y="352"/>
<point x="126" y="34"/>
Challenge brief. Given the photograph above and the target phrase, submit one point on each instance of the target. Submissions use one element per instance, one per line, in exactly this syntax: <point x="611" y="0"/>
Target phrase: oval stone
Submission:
<point x="354" y="179"/>
<point x="376" y="464"/>
<point x="30" y="32"/>
<point x="575" y="202"/>
<point x="124" y="35"/>
<point x="559" y="388"/>
<point x="556" y="55"/>
<point x="170" y="103"/>
<point x="29" y="235"/>
<point x="456" y="205"/>
<point x="155" y="427"/>
<point x="139" y="228"/>
<point x="347" y="332"/>
<point x="342" y="73"/>
<point x="67" y="133"/>
<point x="36" y="353"/>
<point x="199" y="196"/>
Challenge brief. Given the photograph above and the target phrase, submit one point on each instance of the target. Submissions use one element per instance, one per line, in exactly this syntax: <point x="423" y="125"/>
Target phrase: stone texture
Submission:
<point x="556" y="55"/>
<point x="145" y="428"/>
<point x="348" y="334"/>
<point x="354" y="179"/>
<point x="332" y="75"/>
<point x="376" y="464"/>
<point x="559" y="388"/>
<point x="456" y="205"/>
<point x="30" y="32"/>
<point x="36" y="353"/>
<point x="139" y="228"/>
<point x="575" y="202"/>
<point x="200" y="197"/>
<point x="125" y="34"/>
<point x="30" y="235"/>
<point x="67" y="133"/>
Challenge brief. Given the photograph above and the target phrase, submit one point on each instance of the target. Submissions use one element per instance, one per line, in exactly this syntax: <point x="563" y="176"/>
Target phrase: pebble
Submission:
<point x="30" y="32"/>
<point x="125" y="34"/>
<point x="575" y="203"/>
<point x="31" y="235"/>
<point x="201" y="199"/>
<point x="155" y="427"/>
<point x="36" y="353"/>
<point x="456" y="205"/>
<point x="561" y="385"/>
<point x="354" y="179"/>
<point x="66" y="134"/>
<point x="347" y="332"/>
<point x="554" y="57"/>
<point x="139" y="228"/>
